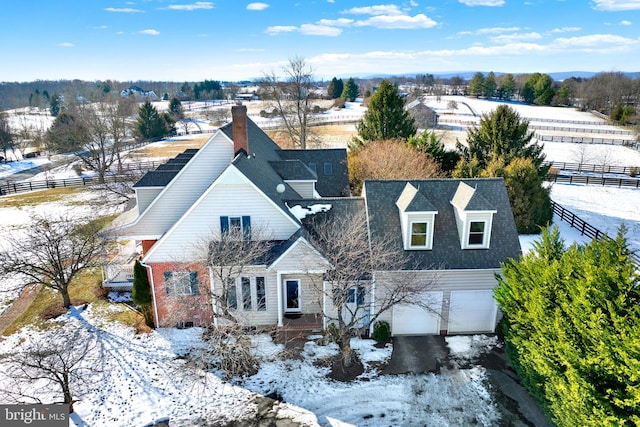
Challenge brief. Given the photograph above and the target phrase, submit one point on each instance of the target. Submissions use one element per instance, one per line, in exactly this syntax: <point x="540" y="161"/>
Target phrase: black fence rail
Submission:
<point x="633" y="143"/>
<point x="587" y="167"/>
<point x="610" y="130"/>
<point x="584" y="228"/>
<point x="594" y="180"/>
<point x="15" y="187"/>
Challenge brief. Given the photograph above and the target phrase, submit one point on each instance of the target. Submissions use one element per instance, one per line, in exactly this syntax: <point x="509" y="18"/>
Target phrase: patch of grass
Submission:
<point x="170" y="148"/>
<point x="37" y="197"/>
<point x="48" y="303"/>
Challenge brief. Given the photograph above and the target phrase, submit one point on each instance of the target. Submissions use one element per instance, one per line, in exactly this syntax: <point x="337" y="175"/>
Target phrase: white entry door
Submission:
<point x="416" y="320"/>
<point x="472" y="311"/>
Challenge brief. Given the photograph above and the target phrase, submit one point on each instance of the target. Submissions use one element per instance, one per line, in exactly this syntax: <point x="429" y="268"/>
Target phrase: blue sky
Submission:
<point x="234" y="40"/>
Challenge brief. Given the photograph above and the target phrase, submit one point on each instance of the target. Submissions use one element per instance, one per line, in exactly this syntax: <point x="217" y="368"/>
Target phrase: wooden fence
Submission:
<point x="633" y="143"/>
<point x="586" y="167"/>
<point x="584" y="228"/>
<point x="594" y="180"/>
<point x="9" y="187"/>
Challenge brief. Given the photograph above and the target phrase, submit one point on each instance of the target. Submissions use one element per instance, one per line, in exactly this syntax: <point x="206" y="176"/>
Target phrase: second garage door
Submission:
<point x="415" y="320"/>
<point x="472" y="311"/>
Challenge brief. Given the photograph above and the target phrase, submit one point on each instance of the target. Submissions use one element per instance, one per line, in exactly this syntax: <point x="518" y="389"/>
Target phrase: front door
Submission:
<point x="292" y="295"/>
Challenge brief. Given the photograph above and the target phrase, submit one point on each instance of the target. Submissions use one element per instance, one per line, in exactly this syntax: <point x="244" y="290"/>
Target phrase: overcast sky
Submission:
<point x="235" y="40"/>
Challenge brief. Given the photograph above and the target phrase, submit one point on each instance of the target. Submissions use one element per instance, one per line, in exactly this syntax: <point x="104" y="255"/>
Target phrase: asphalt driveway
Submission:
<point x="430" y="354"/>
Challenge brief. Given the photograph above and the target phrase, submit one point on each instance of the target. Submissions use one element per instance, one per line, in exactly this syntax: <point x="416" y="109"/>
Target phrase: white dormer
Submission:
<point x="474" y="217"/>
<point x="417" y="219"/>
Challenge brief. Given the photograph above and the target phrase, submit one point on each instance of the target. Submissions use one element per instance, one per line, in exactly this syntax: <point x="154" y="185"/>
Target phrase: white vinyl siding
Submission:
<point x="146" y="195"/>
<point x="446" y="282"/>
<point x="256" y="316"/>
<point x="306" y="189"/>
<point x="203" y="221"/>
<point x="194" y="178"/>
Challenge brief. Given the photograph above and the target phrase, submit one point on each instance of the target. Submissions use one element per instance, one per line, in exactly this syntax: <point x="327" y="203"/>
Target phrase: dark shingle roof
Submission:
<point x="164" y="173"/>
<point x="334" y="185"/>
<point x="384" y="220"/>
<point x="293" y="170"/>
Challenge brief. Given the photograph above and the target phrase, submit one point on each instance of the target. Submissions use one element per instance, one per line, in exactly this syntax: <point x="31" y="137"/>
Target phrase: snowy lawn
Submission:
<point x="142" y="379"/>
<point x="455" y="397"/>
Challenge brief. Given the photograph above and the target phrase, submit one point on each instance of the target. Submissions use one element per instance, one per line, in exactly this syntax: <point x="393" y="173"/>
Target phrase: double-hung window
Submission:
<point x="181" y="283"/>
<point x="476" y="233"/>
<point x="249" y="294"/>
<point x="236" y="226"/>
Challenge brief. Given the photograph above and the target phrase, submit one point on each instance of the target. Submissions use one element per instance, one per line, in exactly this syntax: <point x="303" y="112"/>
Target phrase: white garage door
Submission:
<point x="415" y="320"/>
<point x="472" y="311"/>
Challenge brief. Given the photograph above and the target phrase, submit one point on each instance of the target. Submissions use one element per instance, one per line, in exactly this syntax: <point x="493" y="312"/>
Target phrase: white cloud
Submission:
<point x="403" y="22"/>
<point x="566" y="30"/>
<point x="194" y="6"/>
<point x="516" y="37"/>
<point x="149" y="32"/>
<point x="277" y="29"/>
<point x="490" y="30"/>
<point x="413" y="3"/>
<point x="383" y="9"/>
<point x="340" y="22"/>
<point x="257" y="6"/>
<point x="625" y="23"/>
<point x="616" y="5"/>
<point x="319" y="30"/>
<point x="482" y="2"/>
<point x="66" y="44"/>
<point x="597" y="42"/>
<point x="123" y="10"/>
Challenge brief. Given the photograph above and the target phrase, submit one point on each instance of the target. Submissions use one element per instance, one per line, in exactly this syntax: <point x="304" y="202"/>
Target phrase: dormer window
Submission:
<point x="419" y="233"/>
<point x="476" y="232"/>
<point x="474" y="217"/>
<point x="417" y="219"/>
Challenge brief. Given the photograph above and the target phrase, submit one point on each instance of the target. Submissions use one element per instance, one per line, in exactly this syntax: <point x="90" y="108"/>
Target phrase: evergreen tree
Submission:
<point x="489" y="85"/>
<point x="350" y="90"/>
<point x="572" y="327"/>
<point x="538" y="89"/>
<point x="386" y="117"/>
<point x="151" y="124"/>
<point x="67" y="134"/>
<point x="141" y="292"/>
<point x="502" y="134"/>
<point x="55" y="105"/>
<point x="508" y="87"/>
<point x="430" y="143"/>
<point x="336" y="86"/>
<point x="476" y="84"/>
<point x="175" y="109"/>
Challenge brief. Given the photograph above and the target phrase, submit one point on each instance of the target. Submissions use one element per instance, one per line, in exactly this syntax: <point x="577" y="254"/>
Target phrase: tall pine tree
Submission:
<point x="141" y="292"/>
<point x="386" y="117"/>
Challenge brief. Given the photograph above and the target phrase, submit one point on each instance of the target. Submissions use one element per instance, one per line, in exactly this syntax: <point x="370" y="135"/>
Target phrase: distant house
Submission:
<point x="424" y="116"/>
<point x="139" y="93"/>
<point x="247" y="97"/>
<point x="240" y="182"/>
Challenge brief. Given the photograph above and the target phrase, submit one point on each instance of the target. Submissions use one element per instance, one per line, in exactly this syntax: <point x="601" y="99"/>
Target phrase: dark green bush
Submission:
<point x="381" y="331"/>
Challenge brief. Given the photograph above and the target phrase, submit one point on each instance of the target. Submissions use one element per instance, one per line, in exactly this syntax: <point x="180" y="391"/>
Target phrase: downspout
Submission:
<point x="153" y="293"/>
<point x="215" y="306"/>
<point x="372" y="308"/>
<point x="279" y="296"/>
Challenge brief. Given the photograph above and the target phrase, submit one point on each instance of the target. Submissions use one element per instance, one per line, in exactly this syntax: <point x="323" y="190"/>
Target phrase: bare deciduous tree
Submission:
<point x="291" y="99"/>
<point x="352" y="282"/>
<point x="59" y="362"/>
<point x="52" y="252"/>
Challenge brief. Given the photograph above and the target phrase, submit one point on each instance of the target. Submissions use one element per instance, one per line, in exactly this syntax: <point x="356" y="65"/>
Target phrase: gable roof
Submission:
<point x="293" y="170"/>
<point x="411" y="200"/>
<point x="384" y="220"/>
<point x="466" y="198"/>
<point x="334" y="185"/>
<point x="164" y="173"/>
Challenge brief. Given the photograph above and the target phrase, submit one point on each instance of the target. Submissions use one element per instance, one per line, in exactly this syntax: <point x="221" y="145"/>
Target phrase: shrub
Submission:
<point x="381" y="331"/>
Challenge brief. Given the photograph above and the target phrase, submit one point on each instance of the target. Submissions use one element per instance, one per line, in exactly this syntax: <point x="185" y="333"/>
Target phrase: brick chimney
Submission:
<point x="239" y="128"/>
